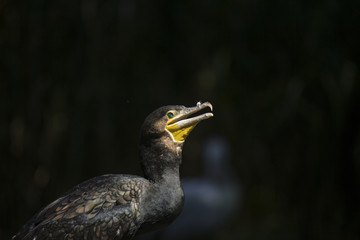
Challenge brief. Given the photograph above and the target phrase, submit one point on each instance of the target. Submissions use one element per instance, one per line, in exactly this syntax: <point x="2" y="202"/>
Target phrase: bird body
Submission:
<point x="108" y="205"/>
<point x="118" y="206"/>
<point x="106" y="202"/>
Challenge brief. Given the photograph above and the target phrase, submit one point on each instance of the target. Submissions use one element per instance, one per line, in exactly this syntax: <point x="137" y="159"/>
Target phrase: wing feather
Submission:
<point x="105" y="207"/>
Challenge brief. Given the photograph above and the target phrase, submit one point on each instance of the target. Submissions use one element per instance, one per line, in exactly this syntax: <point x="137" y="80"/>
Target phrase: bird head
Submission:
<point x="163" y="134"/>
<point x="175" y="122"/>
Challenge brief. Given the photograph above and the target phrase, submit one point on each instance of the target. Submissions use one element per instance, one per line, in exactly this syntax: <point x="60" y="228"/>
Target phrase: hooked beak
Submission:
<point x="180" y="125"/>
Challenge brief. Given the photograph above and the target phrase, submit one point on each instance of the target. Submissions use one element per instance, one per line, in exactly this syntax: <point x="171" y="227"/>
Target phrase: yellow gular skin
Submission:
<point x="179" y="133"/>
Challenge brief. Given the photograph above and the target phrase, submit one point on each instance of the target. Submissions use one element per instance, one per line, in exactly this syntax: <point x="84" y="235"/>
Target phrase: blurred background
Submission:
<point x="77" y="79"/>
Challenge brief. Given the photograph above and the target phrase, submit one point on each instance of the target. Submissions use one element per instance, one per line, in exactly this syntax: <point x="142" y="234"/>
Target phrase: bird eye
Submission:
<point x="170" y="114"/>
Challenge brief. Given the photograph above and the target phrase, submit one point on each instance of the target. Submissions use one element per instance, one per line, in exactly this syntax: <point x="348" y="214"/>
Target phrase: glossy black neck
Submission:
<point x="159" y="157"/>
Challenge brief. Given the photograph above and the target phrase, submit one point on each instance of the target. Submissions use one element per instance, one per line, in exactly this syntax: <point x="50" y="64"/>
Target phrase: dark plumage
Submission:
<point x="211" y="200"/>
<point x="120" y="206"/>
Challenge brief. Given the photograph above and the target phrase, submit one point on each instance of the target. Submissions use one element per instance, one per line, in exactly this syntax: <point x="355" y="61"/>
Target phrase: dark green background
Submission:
<point x="77" y="78"/>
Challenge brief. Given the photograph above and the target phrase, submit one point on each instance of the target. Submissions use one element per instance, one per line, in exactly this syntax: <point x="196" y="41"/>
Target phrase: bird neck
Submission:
<point x="164" y="200"/>
<point x="159" y="161"/>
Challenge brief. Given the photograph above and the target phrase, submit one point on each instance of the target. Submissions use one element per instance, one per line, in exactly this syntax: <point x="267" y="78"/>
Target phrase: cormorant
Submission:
<point x="120" y="206"/>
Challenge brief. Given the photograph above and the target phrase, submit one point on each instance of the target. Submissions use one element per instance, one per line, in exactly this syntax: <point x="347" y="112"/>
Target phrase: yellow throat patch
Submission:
<point x="180" y="133"/>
